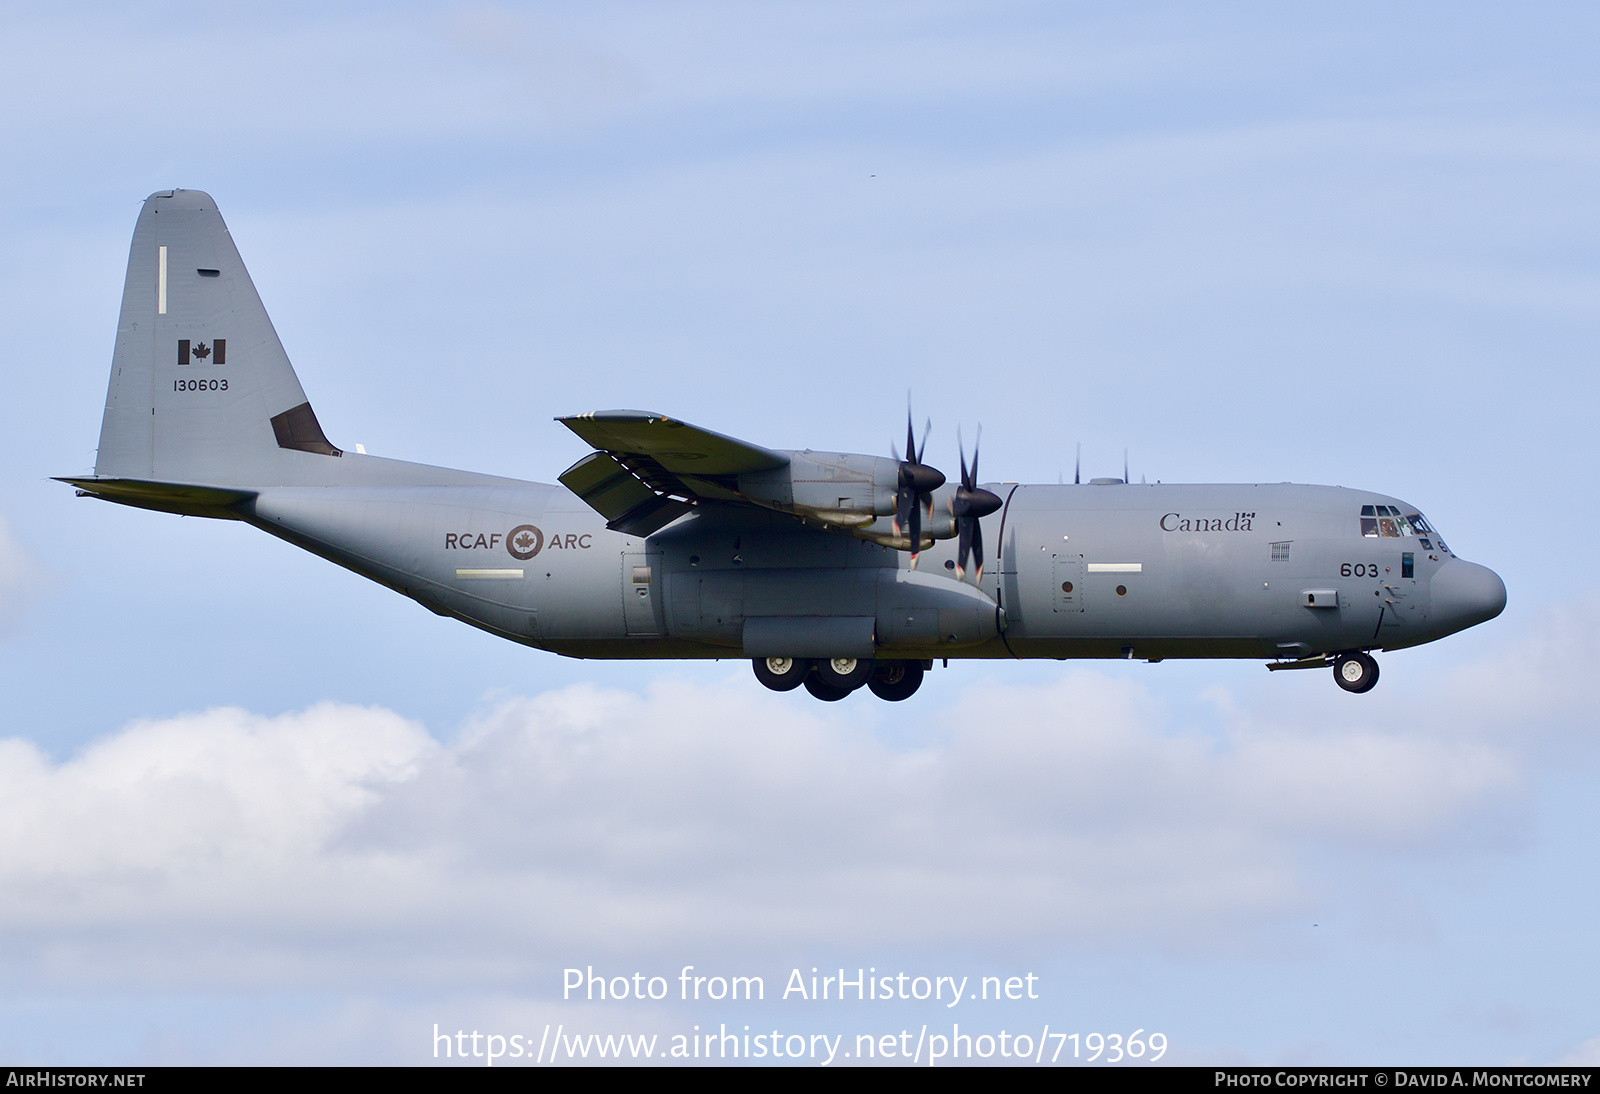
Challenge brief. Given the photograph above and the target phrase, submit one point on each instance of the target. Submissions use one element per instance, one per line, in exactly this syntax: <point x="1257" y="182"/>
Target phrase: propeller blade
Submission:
<point x="917" y="482"/>
<point x="916" y="533"/>
<point x="969" y="505"/>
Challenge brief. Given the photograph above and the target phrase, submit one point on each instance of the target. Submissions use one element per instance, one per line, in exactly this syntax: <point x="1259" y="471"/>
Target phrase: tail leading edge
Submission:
<point x="202" y="399"/>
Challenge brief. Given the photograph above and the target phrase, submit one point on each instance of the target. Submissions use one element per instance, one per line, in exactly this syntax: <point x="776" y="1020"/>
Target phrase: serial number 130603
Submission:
<point x="199" y="385"/>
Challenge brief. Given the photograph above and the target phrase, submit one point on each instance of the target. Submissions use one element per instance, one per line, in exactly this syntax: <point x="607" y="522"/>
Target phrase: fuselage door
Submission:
<point x="641" y="592"/>
<point x="1068" y="583"/>
<point x="1401" y="607"/>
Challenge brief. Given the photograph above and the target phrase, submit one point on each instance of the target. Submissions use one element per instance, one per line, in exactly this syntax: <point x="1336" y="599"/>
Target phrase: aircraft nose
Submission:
<point x="1466" y="594"/>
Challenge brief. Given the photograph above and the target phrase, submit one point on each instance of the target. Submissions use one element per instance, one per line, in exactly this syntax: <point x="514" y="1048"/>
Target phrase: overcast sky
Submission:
<point x="254" y="809"/>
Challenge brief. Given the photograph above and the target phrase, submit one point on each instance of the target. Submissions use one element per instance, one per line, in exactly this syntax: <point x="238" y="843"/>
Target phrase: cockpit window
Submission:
<point x="1387" y="522"/>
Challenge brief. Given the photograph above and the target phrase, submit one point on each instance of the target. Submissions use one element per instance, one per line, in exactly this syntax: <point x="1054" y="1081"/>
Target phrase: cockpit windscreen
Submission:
<point x="1387" y="522"/>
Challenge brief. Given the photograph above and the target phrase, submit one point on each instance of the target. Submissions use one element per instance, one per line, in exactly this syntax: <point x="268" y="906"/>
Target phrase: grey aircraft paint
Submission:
<point x="682" y="543"/>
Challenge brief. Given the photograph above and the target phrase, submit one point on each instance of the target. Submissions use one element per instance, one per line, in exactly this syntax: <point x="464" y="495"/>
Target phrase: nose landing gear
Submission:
<point x="1355" y="671"/>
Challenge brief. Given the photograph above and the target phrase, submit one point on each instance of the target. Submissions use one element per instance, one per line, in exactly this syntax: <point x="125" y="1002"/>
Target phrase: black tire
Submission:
<point x="781" y="673"/>
<point x="894" y="681"/>
<point x="1355" y="671"/>
<point x="848" y="673"/>
<point x="826" y="692"/>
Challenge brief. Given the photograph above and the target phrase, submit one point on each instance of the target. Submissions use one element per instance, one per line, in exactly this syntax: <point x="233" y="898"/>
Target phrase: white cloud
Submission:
<point x="727" y="819"/>
<point x="1584" y="1055"/>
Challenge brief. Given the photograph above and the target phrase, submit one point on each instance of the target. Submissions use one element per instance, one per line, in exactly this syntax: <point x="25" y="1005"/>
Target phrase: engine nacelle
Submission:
<point x="853" y="493"/>
<point x="841" y="489"/>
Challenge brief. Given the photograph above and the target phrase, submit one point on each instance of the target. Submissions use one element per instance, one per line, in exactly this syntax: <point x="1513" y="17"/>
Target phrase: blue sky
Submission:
<point x="256" y="809"/>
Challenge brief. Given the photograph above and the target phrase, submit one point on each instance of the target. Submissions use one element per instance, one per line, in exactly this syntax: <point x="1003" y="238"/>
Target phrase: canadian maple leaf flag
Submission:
<point x="216" y="353"/>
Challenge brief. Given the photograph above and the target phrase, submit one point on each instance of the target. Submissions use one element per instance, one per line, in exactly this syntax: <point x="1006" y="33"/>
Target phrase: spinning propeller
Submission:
<point x="970" y="503"/>
<point x="918" y="481"/>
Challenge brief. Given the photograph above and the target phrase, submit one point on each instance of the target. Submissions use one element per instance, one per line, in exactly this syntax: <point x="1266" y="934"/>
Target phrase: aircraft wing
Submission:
<point x="650" y="469"/>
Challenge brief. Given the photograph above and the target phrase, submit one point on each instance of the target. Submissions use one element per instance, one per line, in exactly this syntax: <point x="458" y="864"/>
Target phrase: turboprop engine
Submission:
<point x="903" y="504"/>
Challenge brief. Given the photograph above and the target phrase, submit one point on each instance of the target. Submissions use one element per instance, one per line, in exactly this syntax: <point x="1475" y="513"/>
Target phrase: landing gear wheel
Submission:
<point x="848" y="673"/>
<point x="826" y="692"/>
<point x="1355" y="672"/>
<point x="896" y="680"/>
<point x="781" y="673"/>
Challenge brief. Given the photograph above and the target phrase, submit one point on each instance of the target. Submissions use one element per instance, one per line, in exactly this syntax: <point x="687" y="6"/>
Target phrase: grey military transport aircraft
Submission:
<point x="671" y="541"/>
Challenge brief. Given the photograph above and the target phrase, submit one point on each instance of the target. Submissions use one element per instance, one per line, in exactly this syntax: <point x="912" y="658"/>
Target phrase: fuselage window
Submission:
<point x="1280" y="552"/>
<point x="1408" y="564"/>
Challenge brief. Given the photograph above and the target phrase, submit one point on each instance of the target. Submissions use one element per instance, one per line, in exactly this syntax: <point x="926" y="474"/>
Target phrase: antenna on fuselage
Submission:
<point x="1077" y="466"/>
<point x="1124" y="466"/>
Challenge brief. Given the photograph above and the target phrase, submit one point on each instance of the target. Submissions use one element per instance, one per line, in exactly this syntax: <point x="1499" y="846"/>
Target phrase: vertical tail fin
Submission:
<point x="201" y="389"/>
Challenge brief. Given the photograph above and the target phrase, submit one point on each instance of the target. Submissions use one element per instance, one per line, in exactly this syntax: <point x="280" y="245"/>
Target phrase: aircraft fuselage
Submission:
<point x="1142" y="571"/>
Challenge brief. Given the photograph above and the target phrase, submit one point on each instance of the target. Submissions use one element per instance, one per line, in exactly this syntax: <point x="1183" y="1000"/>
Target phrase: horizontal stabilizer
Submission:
<point x="166" y="497"/>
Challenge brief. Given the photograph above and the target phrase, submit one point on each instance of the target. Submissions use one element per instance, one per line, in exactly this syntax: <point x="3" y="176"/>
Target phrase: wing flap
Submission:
<point x="605" y="485"/>
<point x="612" y="490"/>
<point x="650" y="517"/>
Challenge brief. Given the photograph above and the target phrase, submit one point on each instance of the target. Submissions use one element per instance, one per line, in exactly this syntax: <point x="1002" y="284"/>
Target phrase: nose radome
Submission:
<point x="1466" y="594"/>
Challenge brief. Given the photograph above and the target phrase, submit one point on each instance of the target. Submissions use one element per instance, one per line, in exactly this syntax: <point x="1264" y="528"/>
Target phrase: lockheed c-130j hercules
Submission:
<point x="670" y="541"/>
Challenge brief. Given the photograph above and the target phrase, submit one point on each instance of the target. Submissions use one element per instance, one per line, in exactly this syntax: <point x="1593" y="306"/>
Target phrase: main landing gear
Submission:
<point x="831" y="679"/>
